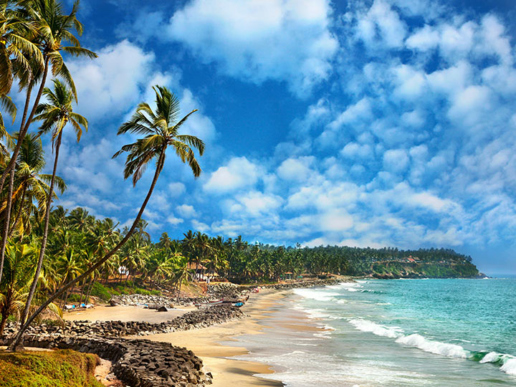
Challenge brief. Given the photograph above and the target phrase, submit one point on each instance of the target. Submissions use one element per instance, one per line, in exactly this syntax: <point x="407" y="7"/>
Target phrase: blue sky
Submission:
<point x="364" y="123"/>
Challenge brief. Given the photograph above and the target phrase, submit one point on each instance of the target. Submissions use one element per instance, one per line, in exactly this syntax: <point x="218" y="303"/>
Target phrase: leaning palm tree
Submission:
<point x="31" y="187"/>
<point x="56" y="115"/>
<point x="53" y="30"/>
<point x="161" y="130"/>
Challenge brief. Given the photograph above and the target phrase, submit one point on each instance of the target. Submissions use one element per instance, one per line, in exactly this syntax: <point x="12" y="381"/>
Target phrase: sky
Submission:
<point x="359" y="123"/>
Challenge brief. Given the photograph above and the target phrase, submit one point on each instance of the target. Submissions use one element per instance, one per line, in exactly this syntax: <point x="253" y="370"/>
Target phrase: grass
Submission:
<point x="61" y="368"/>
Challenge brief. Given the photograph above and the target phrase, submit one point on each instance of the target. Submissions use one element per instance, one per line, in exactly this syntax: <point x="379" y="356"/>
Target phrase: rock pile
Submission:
<point x="225" y="290"/>
<point x="153" y="302"/>
<point x="138" y="363"/>
<point x="140" y="299"/>
<point x="304" y="284"/>
<point x="191" y="320"/>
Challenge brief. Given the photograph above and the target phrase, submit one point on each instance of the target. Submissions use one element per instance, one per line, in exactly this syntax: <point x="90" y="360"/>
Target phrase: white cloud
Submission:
<point x="186" y="211"/>
<point x="256" y="203"/>
<point x="396" y="160"/>
<point x="354" y="150"/>
<point x="424" y="39"/>
<point x="249" y="39"/>
<point x="112" y="83"/>
<point x="381" y="16"/>
<point x="359" y="111"/>
<point x="176" y="189"/>
<point x="200" y="226"/>
<point x="174" y="221"/>
<point x="296" y="169"/>
<point x="336" y="221"/>
<point x="238" y="173"/>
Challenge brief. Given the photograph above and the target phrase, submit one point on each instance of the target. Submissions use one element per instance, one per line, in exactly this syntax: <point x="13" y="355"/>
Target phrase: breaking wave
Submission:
<point x="507" y="363"/>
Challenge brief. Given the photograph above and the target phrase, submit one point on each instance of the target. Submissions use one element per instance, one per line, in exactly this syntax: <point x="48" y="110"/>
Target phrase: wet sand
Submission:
<point x="206" y="343"/>
<point x="213" y="344"/>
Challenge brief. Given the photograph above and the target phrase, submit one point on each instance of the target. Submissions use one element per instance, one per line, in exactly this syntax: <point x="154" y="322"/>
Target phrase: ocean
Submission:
<point x="449" y="332"/>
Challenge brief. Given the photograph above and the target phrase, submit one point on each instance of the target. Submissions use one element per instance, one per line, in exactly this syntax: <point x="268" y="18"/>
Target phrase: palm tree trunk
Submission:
<point x="18" y="215"/>
<point x="16" y="344"/>
<point x="90" y="288"/>
<point x="6" y="224"/>
<point x="45" y="234"/>
<point x="24" y="127"/>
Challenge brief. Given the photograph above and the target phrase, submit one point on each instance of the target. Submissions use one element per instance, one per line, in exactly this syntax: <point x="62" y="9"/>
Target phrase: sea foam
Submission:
<point x="379" y="330"/>
<point x="436" y="347"/>
<point x="317" y="295"/>
<point x="509" y="367"/>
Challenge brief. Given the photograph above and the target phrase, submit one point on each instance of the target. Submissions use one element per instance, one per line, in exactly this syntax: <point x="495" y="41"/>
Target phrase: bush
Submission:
<point x="100" y="291"/>
<point x="75" y="297"/>
<point x="61" y="368"/>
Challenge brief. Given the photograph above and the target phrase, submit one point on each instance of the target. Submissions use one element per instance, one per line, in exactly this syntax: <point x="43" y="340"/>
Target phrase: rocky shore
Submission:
<point x="138" y="363"/>
<point x="304" y="284"/>
<point x="144" y="363"/>
<point x="191" y="320"/>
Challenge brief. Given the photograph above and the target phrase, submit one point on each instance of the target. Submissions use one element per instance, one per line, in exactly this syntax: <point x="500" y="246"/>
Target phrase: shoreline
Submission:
<point x="213" y="346"/>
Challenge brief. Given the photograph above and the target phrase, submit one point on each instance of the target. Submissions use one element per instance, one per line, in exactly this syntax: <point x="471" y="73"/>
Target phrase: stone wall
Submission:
<point x="137" y="363"/>
<point x="192" y="320"/>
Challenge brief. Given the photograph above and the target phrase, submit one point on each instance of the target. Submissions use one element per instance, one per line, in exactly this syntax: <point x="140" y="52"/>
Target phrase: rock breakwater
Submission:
<point x="137" y="363"/>
<point x="191" y="320"/>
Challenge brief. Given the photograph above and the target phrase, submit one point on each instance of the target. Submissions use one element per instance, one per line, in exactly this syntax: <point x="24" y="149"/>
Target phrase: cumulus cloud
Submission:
<point x="286" y="40"/>
<point x="186" y="211"/>
<point x="296" y="169"/>
<point x="111" y="84"/>
<point x="238" y="173"/>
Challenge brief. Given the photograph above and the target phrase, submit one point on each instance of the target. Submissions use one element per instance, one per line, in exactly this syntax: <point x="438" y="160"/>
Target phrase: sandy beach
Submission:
<point x="125" y="313"/>
<point x="206" y="343"/>
<point x="213" y="344"/>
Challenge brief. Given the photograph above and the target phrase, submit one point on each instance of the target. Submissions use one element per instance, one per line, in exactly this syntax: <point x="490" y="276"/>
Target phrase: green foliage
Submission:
<point x="61" y="368"/>
<point x="75" y="298"/>
<point x="99" y="290"/>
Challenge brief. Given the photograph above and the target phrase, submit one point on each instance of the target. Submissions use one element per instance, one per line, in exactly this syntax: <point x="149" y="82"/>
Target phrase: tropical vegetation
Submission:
<point x="50" y="256"/>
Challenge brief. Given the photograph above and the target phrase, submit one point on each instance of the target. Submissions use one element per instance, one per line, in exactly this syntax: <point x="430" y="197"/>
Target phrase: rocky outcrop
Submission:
<point x="191" y="320"/>
<point x="153" y="302"/>
<point x="137" y="363"/>
<point x="303" y="284"/>
<point x="225" y="290"/>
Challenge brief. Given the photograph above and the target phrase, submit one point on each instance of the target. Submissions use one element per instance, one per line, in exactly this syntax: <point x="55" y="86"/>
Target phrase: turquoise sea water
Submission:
<point x="451" y="332"/>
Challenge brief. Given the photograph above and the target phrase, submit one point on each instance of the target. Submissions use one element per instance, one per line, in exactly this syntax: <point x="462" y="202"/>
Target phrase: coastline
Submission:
<point x="217" y="357"/>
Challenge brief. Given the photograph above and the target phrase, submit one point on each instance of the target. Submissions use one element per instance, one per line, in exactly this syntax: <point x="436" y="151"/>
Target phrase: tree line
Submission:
<point x="36" y="39"/>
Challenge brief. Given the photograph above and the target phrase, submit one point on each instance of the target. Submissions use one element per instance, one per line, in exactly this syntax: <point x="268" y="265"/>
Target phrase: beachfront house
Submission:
<point x="197" y="271"/>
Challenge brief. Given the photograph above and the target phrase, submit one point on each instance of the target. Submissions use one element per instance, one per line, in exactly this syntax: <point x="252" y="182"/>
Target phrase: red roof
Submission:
<point x="193" y="266"/>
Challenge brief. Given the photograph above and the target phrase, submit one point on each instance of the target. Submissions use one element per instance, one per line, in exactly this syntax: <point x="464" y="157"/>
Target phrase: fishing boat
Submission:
<point x="208" y="304"/>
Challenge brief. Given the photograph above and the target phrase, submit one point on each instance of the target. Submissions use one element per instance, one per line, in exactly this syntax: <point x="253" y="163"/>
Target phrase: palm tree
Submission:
<point x="53" y="28"/>
<point x="161" y="130"/>
<point x="55" y="114"/>
<point x="15" y="47"/>
<point x="19" y="263"/>
<point x="31" y="185"/>
<point x="7" y="104"/>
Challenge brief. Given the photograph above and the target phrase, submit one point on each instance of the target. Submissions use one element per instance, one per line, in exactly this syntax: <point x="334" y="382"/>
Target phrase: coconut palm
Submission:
<point x="15" y="45"/>
<point x="18" y="272"/>
<point x="53" y="30"/>
<point x="160" y="128"/>
<point x="31" y="185"/>
<point x="56" y="115"/>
